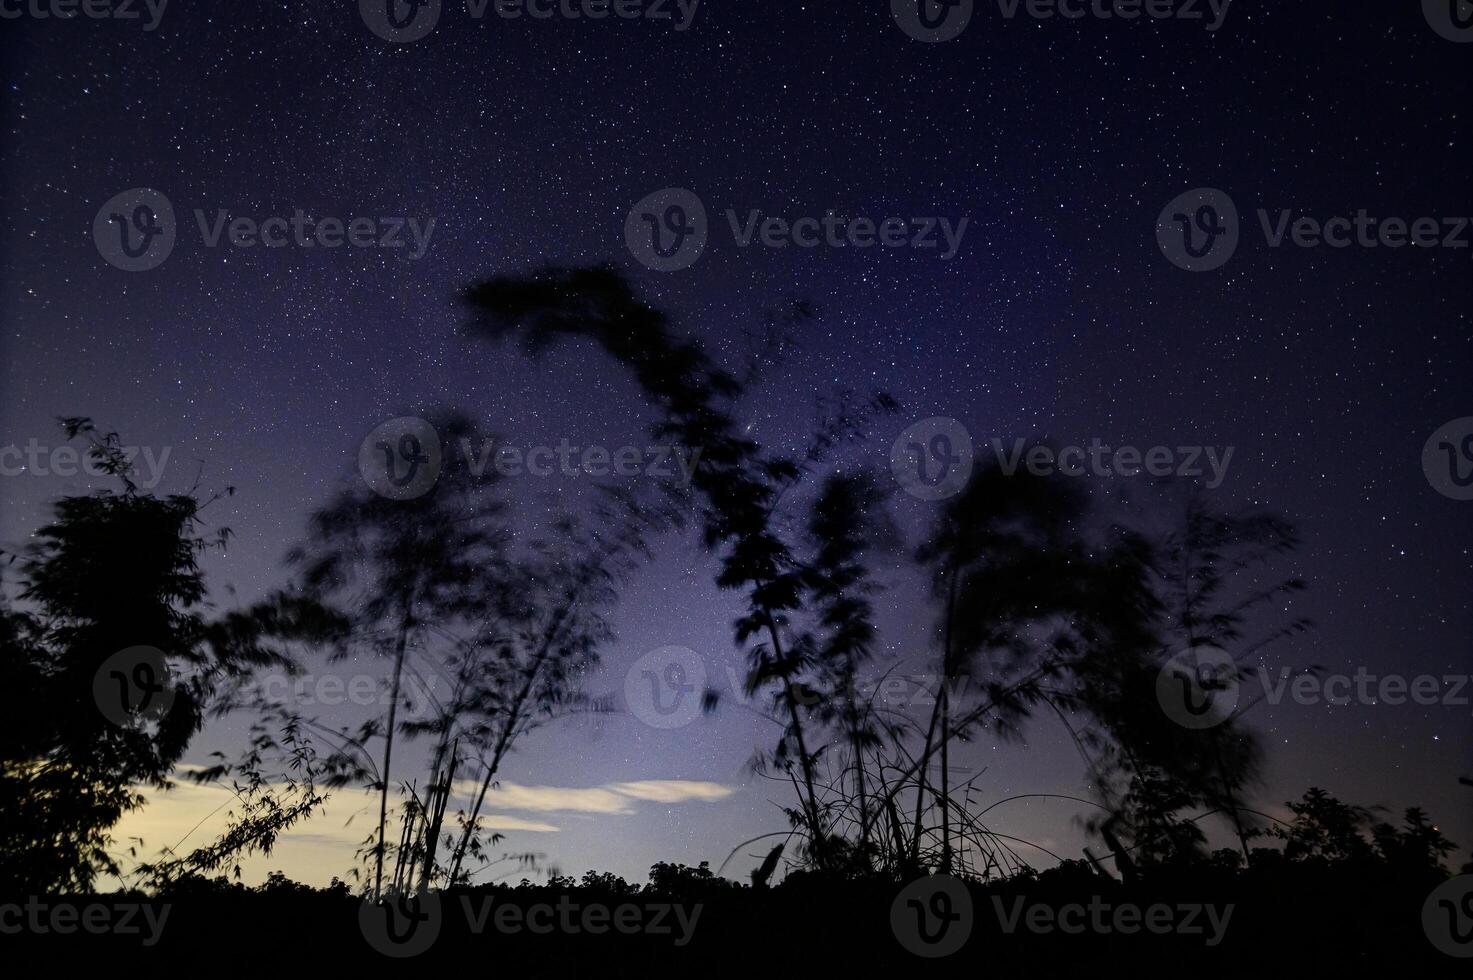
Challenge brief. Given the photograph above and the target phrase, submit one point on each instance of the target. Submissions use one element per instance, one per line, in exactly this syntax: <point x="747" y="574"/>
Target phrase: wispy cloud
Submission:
<point x="674" y="790"/>
<point x="191" y="815"/>
<point x="613" y="798"/>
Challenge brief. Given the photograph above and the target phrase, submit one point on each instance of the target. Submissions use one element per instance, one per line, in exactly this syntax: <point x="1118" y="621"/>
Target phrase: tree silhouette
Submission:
<point x="400" y="571"/>
<point x="112" y="571"/>
<point x="1203" y="571"/>
<point x="527" y="666"/>
<point x="846" y="522"/>
<point x="1007" y="561"/>
<point x="737" y="484"/>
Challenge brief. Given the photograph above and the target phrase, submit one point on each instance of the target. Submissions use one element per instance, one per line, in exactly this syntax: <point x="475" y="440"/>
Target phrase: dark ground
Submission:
<point x="1288" y="921"/>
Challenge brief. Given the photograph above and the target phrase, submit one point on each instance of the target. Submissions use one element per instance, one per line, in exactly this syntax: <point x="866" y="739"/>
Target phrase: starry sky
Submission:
<point x="528" y="141"/>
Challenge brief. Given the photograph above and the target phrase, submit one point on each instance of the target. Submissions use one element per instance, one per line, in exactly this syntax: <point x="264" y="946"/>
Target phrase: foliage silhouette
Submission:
<point x="112" y="570"/>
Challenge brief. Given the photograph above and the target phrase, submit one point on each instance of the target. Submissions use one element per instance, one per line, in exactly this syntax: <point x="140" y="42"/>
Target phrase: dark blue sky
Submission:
<point x="529" y="141"/>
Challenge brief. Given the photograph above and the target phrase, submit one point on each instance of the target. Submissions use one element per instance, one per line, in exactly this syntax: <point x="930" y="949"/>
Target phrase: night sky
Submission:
<point x="528" y="142"/>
